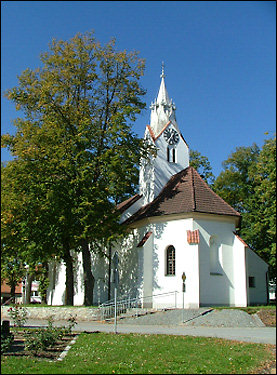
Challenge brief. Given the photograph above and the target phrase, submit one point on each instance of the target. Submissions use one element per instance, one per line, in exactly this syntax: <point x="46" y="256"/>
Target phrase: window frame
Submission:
<point x="171" y="154"/>
<point x="170" y="257"/>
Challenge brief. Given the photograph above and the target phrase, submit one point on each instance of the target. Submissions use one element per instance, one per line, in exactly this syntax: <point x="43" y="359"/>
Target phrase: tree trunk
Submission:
<point x="88" y="276"/>
<point x="28" y="286"/>
<point x="13" y="292"/>
<point x="69" y="279"/>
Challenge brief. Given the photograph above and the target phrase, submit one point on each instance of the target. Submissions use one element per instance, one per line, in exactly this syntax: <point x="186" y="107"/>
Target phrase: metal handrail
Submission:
<point x="108" y="308"/>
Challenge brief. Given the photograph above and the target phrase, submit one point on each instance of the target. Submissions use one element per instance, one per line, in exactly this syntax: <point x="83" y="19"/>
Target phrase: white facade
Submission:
<point x="220" y="268"/>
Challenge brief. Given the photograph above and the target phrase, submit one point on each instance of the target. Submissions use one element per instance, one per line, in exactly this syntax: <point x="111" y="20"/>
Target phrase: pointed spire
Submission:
<point x="162" y="75"/>
<point x="163" y="97"/>
<point x="162" y="109"/>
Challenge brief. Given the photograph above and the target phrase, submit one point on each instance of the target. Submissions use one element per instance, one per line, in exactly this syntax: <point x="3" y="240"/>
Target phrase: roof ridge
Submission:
<point x="214" y="193"/>
<point x="193" y="189"/>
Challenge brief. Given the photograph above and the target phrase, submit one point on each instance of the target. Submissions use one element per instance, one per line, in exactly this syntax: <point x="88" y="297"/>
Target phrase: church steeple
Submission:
<point x="172" y="150"/>
<point x="162" y="109"/>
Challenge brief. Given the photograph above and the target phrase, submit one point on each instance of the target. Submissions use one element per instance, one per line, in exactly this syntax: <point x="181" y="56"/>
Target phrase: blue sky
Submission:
<point x="220" y="60"/>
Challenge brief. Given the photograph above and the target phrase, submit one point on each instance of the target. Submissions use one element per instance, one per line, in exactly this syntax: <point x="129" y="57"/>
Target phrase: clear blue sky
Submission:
<point x="220" y="60"/>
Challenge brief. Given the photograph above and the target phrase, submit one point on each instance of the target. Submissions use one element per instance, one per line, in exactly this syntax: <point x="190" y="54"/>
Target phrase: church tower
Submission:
<point x="172" y="150"/>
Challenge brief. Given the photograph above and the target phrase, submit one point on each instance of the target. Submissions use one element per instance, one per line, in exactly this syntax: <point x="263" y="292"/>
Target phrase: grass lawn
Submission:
<point x="109" y="353"/>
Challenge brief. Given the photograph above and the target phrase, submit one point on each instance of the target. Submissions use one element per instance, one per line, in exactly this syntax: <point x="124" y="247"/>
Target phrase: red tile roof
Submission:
<point x="193" y="236"/>
<point x="123" y="206"/>
<point x="5" y="288"/>
<point x="185" y="192"/>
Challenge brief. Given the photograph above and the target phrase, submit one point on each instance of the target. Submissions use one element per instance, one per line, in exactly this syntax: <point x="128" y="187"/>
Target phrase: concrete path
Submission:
<point x="264" y="335"/>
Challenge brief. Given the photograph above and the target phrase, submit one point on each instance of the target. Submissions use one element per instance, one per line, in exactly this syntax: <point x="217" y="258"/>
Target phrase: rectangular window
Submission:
<point x="171" y="155"/>
<point x="251" y="282"/>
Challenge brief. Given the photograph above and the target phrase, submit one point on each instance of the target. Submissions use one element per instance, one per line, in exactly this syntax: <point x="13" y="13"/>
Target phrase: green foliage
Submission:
<point x="43" y="338"/>
<point x="234" y="184"/>
<point x="6" y="342"/>
<point x="18" y="314"/>
<point x="202" y="165"/>
<point x="261" y="230"/>
<point x="12" y="269"/>
<point x="42" y="276"/>
<point x="75" y="152"/>
<point x="248" y="183"/>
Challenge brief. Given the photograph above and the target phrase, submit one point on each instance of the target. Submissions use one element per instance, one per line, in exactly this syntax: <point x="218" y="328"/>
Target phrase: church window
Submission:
<point x="171" y="155"/>
<point x="215" y="267"/>
<point x="170" y="260"/>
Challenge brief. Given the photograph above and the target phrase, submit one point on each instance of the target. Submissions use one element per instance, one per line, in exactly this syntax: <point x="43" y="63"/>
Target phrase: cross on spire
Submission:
<point x="162" y="75"/>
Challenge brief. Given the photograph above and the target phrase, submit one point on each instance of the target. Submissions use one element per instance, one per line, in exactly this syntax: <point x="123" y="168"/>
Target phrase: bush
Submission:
<point x="18" y="314"/>
<point x="6" y="342"/>
<point x="43" y="338"/>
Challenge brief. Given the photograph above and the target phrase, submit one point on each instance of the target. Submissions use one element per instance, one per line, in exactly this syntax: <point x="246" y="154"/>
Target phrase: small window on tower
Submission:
<point x="171" y="155"/>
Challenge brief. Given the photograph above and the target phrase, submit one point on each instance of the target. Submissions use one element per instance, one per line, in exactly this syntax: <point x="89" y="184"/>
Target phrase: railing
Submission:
<point x="6" y="302"/>
<point x="138" y="304"/>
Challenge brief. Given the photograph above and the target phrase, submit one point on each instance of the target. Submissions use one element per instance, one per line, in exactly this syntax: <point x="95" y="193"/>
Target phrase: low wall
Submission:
<point x="58" y="313"/>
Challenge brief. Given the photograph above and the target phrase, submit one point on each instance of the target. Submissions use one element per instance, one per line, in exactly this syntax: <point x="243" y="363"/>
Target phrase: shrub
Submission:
<point x="18" y="314"/>
<point x="43" y="338"/>
<point x="6" y="342"/>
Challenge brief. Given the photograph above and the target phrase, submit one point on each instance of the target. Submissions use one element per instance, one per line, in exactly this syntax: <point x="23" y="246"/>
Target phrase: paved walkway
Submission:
<point x="264" y="335"/>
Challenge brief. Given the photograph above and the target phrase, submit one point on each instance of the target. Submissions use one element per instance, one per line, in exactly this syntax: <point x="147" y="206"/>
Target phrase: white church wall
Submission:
<point x="130" y="265"/>
<point x="99" y="265"/>
<point x="148" y="272"/>
<point x="78" y="298"/>
<point x="174" y="233"/>
<point x="131" y="210"/>
<point x="240" y="277"/>
<point x="163" y="170"/>
<point x="257" y="286"/>
<point x="56" y="289"/>
<point x="57" y="276"/>
<point x="216" y="288"/>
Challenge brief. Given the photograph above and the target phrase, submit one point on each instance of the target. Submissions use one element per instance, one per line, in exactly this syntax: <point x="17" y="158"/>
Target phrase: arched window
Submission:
<point x="215" y="266"/>
<point x="170" y="260"/>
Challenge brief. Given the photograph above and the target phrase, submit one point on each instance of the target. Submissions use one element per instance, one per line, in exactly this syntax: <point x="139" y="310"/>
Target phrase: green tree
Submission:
<point x="248" y="183"/>
<point x="235" y="184"/>
<point x="261" y="231"/>
<point x="202" y="165"/>
<point x="12" y="272"/>
<point x="76" y="148"/>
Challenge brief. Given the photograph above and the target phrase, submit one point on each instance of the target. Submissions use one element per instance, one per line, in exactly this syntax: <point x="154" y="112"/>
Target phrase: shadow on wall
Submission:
<point x="159" y="230"/>
<point x="130" y="277"/>
<point x="214" y="284"/>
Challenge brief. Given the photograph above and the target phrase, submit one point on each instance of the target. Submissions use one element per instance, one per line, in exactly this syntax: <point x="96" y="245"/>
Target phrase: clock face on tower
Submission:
<point x="171" y="136"/>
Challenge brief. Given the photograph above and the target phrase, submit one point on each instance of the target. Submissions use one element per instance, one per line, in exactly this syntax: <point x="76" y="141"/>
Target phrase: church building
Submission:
<point x="183" y="248"/>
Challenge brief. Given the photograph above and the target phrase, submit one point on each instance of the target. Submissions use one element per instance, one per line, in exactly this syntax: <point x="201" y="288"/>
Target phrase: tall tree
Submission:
<point x="202" y="165"/>
<point x="75" y="144"/>
<point x="261" y="230"/>
<point x="248" y="183"/>
<point x="235" y="183"/>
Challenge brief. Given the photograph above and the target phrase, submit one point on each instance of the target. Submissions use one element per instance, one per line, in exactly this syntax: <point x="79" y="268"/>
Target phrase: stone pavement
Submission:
<point x="264" y="335"/>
